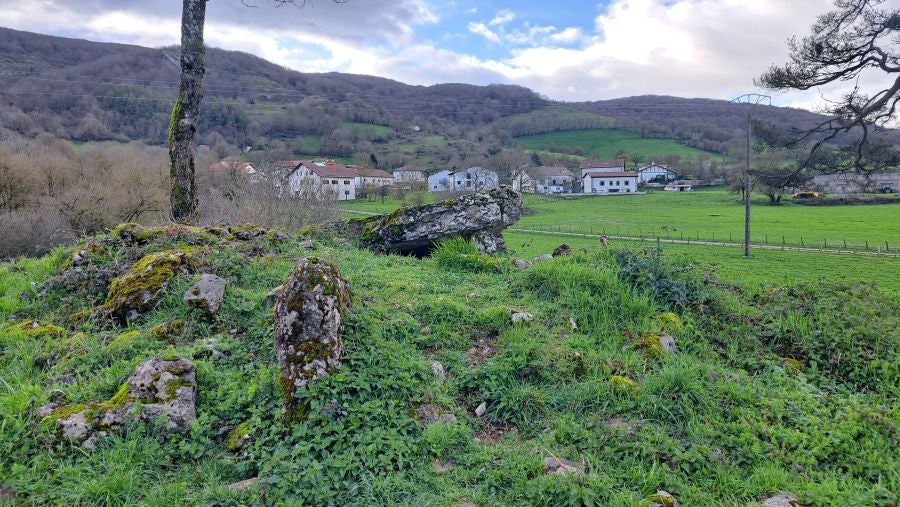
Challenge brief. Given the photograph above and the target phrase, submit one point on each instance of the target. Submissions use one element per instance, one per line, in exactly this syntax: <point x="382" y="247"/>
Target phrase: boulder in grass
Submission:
<point x="309" y="322"/>
<point x="558" y="466"/>
<point x="140" y="288"/>
<point x="206" y="294"/>
<point x="415" y="230"/>
<point x="160" y="388"/>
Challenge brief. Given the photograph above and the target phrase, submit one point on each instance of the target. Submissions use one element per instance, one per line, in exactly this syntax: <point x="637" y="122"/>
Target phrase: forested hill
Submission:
<point x="89" y="91"/>
<point x="83" y="90"/>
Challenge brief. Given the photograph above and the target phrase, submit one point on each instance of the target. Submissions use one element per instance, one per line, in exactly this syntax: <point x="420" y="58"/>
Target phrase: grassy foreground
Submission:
<point x="770" y="390"/>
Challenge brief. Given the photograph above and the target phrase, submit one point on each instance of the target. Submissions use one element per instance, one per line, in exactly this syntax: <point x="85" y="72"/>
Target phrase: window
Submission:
<point x="346" y="192"/>
<point x="346" y="182"/>
<point x="602" y="183"/>
<point x="334" y="182"/>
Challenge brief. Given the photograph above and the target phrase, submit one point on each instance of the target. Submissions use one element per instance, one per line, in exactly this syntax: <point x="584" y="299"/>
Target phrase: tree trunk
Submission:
<point x="183" y="125"/>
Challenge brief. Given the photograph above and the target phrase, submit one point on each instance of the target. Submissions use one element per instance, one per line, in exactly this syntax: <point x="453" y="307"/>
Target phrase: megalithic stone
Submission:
<point x="309" y="323"/>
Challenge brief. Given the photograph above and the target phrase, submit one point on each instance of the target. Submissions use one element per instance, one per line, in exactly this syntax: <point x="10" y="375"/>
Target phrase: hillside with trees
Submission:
<point x="87" y="91"/>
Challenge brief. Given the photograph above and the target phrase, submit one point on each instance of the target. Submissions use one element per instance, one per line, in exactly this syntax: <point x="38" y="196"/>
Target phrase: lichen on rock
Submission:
<point x="415" y="230"/>
<point x="159" y="387"/>
<point x="134" y="292"/>
<point x="309" y="322"/>
<point x="38" y="329"/>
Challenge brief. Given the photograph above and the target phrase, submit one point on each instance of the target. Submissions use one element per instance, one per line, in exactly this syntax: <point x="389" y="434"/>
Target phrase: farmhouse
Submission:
<point x="656" y="173"/>
<point x="609" y="182"/>
<point x="327" y="179"/>
<point x="544" y="180"/>
<point x="473" y="179"/>
<point x="410" y="174"/>
<point x="372" y="178"/>
<point x="602" y="166"/>
<point x="233" y="166"/>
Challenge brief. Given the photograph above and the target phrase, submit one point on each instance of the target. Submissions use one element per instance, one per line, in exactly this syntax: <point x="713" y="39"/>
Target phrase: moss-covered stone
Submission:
<point x="622" y="384"/>
<point x="134" y="292"/>
<point x="122" y="341"/>
<point x="38" y="329"/>
<point x="135" y="233"/>
<point x="246" y="232"/>
<point x="309" y="320"/>
<point x="238" y="436"/>
<point x="670" y="322"/>
<point x="168" y="331"/>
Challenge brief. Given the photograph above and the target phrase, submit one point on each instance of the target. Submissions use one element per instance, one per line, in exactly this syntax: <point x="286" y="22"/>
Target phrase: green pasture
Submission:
<point x="606" y="143"/>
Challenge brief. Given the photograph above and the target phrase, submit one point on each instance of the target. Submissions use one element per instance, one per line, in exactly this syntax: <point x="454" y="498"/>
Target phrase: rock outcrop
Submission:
<point x="415" y="230"/>
<point x="159" y="387"/>
<point x="309" y="322"/>
<point x="137" y="290"/>
<point x="206" y="294"/>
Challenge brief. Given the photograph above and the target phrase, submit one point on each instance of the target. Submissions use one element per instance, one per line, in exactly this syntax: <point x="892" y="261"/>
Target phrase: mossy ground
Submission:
<point x="724" y="421"/>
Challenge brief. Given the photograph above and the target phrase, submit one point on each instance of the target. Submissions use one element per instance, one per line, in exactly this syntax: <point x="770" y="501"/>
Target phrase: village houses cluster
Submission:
<point x="329" y="179"/>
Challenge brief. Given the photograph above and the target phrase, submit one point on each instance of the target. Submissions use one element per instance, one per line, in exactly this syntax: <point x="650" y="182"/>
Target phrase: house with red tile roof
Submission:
<point x="325" y="179"/>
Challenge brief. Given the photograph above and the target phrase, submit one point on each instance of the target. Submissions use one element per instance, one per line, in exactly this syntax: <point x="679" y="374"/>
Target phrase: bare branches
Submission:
<point x="859" y="36"/>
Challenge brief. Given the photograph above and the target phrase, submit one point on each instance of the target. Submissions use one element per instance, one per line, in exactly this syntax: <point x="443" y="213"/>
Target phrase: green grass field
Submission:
<point x="714" y="214"/>
<point x="367" y="128"/>
<point x="606" y="143"/>
<point x="767" y="390"/>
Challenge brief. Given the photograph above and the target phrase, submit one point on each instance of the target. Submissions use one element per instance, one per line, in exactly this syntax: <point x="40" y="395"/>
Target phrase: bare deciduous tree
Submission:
<point x="859" y="37"/>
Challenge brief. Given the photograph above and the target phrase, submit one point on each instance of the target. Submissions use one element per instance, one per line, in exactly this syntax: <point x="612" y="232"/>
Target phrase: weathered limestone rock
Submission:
<point x="481" y="409"/>
<point x="415" y="230"/>
<point x="431" y="413"/>
<point x="661" y="499"/>
<point x="545" y="257"/>
<point x="309" y="321"/>
<point x="667" y="343"/>
<point x="519" y="317"/>
<point x="136" y="291"/>
<point x="489" y="242"/>
<point x="522" y="263"/>
<point x="438" y="370"/>
<point x="159" y="387"/>
<point x="244" y="485"/>
<point x="308" y="244"/>
<point x="206" y="294"/>
<point x="270" y="298"/>
<point x="559" y="466"/>
<point x="781" y="500"/>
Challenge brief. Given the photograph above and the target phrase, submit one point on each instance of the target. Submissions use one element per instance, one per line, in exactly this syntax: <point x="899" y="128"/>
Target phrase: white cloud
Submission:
<point x="483" y="30"/>
<point x="692" y="48"/>
<point x="503" y="17"/>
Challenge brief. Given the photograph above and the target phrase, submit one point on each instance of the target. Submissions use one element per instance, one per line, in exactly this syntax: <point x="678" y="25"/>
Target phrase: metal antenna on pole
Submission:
<point x="753" y="99"/>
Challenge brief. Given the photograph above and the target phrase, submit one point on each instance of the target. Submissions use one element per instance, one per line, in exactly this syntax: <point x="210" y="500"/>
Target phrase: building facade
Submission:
<point x="609" y="182"/>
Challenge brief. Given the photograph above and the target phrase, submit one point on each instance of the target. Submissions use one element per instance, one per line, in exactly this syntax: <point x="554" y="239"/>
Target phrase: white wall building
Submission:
<point x="621" y="182"/>
<point x="328" y="180"/>
<point x="543" y="180"/>
<point x="473" y="179"/>
<point x="410" y="174"/>
<point x="656" y="172"/>
<point x="602" y="166"/>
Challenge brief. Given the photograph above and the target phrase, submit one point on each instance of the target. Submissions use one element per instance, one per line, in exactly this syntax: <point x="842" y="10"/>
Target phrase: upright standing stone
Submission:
<point x="309" y="321"/>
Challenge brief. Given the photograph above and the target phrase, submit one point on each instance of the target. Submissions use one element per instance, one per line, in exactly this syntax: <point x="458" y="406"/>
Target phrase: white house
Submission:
<point x="656" y="173"/>
<point x="327" y="179"/>
<point x="608" y="182"/>
<point x="410" y="174"/>
<point x="602" y="166"/>
<point x="373" y="178"/>
<point x="543" y="180"/>
<point x="473" y="179"/>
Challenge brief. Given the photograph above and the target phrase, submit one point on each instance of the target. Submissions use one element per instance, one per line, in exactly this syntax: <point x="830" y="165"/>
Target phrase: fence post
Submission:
<point x="867" y="245"/>
<point x="845" y="244"/>
<point x="801" y="241"/>
<point x="826" y="242"/>
<point x="886" y="247"/>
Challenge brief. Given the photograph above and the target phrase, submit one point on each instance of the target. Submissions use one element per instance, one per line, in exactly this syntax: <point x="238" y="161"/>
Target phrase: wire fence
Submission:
<point x="765" y="241"/>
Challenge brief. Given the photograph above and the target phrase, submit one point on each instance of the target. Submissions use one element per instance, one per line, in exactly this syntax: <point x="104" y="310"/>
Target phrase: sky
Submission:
<point x="571" y="50"/>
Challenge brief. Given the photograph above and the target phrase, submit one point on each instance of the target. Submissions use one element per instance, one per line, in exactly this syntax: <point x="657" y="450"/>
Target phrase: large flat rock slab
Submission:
<point x="415" y="230"/>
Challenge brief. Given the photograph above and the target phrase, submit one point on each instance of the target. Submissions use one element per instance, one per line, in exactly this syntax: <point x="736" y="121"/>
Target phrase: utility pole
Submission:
<point x="753" y="99"/>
